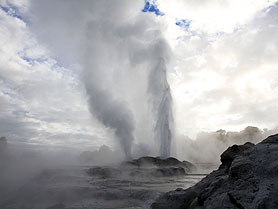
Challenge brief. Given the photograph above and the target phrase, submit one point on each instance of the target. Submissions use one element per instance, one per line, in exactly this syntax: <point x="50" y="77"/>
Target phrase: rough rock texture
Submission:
<point x="246" y="179"/>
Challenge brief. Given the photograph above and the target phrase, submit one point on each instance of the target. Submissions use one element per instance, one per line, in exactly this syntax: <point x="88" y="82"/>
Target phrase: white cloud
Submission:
<point x="214" y="15"/>
<point x="228" y="83"/>
<point x="223" y="74"/>
<point x="41" y="102"/>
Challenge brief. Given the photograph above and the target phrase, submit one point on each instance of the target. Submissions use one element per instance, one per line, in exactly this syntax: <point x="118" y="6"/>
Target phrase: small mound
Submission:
<point x="145" y="167"/>
<point x="148" y="161"/>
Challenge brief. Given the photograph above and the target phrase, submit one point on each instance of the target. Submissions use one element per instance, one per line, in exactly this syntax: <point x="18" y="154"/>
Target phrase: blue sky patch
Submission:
<point x="32" y="61"/>
<point x="7" y="93"/>
<point x="183" y="23"/>
<point x="150" y="6"/>
<point x="11" y="11"/>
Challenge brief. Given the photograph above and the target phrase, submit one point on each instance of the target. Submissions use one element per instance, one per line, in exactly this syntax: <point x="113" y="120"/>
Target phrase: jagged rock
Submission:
<point x="246" y="179"/>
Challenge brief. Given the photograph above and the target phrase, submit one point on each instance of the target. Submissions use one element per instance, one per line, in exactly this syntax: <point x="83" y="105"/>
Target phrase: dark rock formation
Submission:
<point x="145" y="167"/>
<point x="246" y="179"/>
<point x="161" y="163"/>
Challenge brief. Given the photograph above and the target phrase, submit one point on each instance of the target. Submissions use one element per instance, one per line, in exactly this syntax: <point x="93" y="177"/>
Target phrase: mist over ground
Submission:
<point x="123" y="59"/>
<point x="28" y="174"/>
<point x="208" y="146"/>
<point x="20" y="164"/>
<point x="93" y="85"/>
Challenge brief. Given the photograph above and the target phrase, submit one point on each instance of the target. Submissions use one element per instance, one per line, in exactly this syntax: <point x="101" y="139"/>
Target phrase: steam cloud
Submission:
<point x="111" y="113"/>
<point x="212" y="144"/>
<point x="124" y="59"/>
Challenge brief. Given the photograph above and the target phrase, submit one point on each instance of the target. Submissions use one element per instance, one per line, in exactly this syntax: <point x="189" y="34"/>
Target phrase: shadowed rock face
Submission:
<point x="246" y="179"/>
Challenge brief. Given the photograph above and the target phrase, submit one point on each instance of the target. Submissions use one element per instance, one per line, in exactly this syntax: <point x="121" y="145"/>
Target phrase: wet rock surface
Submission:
<point x="145" y="167"/>
<point x="246" y="179"/>
<point x="159" y="162"/>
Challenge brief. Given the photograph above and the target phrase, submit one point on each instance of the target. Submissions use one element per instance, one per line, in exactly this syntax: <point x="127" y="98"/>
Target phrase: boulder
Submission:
<point x="246" y="179"/>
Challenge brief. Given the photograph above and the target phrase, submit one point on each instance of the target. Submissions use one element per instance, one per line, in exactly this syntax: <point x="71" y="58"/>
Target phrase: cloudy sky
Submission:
<point x="222" y="68"/>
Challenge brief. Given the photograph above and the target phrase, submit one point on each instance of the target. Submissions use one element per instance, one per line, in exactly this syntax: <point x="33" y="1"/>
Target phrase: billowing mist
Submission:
<point x="30" y="174"/>
<point x="97" y="98"/>
<point x="208" y="146"/>
<point x="21" y="167"/>
<point x="124" y="60"/>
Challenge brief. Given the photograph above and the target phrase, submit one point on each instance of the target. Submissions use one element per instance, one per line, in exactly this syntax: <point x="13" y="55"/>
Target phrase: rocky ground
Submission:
<point x="246" y="179"/>
<point x="145" y="167"/>
<point x="133" y="184"/>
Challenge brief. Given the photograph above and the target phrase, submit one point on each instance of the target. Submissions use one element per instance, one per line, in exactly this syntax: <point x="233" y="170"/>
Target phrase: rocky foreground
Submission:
<point x="246" y="179"/>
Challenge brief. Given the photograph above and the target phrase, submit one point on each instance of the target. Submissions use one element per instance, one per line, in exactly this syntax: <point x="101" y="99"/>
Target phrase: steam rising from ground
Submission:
<point x="123" y="56"/>
<point x="21" y="164"/>
<point x="33" y="162"/>
<point x="212" y="144"/>
<point x="112" y="113"/>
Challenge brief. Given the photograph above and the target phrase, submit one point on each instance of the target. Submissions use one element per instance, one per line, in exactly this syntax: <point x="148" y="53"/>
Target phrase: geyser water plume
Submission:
<point x="161" y="98"/>
<point x="164" y="114"/>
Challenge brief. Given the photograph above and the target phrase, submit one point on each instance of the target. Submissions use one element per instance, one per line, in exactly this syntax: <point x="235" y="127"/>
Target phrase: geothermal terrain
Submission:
<point x="132" y="184"/>
<point x="246" y="178"/>
<point x="148" y="78"/>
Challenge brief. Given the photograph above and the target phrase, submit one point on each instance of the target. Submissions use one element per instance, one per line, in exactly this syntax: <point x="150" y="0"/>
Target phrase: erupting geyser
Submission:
<point x="161" y="98"/>
<point x="123" y="59"/>
<point x="107" y="107"/>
